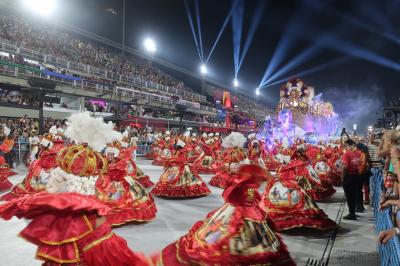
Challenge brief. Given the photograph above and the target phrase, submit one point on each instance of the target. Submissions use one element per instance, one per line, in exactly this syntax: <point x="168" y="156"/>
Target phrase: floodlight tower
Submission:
<point x="235" y="83"/>
<point x="41" y="7"/>
<point x="203" y="72"/>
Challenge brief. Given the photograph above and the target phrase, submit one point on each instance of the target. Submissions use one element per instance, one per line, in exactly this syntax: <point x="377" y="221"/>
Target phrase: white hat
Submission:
<point x="211" y="135"/>
<point x="6" y="131"/>
<point x="167" y="132"/>
<point x="46" y="143"/>
<point x="112" y="150"/>
<point x="180" y="143"/>
<point x="194" y="134"/>
<point x="204" y="135"/>
<point x="217" y="134"/>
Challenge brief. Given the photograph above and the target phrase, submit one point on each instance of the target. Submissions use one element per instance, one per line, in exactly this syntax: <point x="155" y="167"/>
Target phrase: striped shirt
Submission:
<point x="373" y="154"/>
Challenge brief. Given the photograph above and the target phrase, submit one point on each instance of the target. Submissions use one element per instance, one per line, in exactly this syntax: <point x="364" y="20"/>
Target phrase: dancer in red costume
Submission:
<point x="256" y="151"/>
<point x="128" y="200"/>
<point x="306" y="177"/>
<point x="288" y="206"/>
<point x="316" y="155"/>
<point x="39" y="170"/>
<point x="166" y="150"/>
<point x="133" y="170"/>
<point x="337" y="166"/>
<point x="204" y="163"/>
<point x="5" y="172"/>
<point x="178" y="179"/>
<point x="233" y="156"/>
<point x="235" y="234"/>
<point x="70" y="228"/>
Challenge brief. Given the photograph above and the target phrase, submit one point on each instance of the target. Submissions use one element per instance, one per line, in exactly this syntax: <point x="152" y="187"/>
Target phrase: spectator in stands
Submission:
<point x="351" y="177"/>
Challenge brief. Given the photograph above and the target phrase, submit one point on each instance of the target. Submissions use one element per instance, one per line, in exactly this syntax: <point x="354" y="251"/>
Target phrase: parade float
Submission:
<point x="300" y="114"/>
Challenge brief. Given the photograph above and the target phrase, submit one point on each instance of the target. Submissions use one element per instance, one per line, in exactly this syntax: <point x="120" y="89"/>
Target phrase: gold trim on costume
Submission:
<point x="41" y="255"/>
<point x="72" y="239"/>
<point x="98" y="241"/>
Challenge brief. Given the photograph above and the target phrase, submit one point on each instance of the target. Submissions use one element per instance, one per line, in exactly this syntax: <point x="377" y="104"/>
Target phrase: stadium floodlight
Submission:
<point x="203" y="69"/>
<point x="235" y="83"/>
<point x="258" y="92"/>
<point x="42" y="7"/>
<point x="355" y="127"/>
<point x="149" y="46"/>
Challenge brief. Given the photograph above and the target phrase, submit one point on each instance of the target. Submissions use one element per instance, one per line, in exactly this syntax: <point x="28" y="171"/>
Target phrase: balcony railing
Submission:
<point x="26" y="72"/>
<point x="8" y="47"/>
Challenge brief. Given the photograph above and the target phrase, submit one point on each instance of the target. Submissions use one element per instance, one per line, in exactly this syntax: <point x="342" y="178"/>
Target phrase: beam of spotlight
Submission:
<point x="353" y="21"/>
<point x="189" y="16"/>
<point x="286" y="42"/>
<point x="255" y="21"/>
<point x="222" y="30"/>
<point x="237" y="25"/>
<point x="296" y="61"/>
<point x="197" y="9"/>
<point x="310" y="70"/>
<point x="360" y="52"/>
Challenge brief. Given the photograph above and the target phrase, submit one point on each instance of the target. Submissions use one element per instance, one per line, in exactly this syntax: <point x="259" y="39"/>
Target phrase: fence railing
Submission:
<point x="389" y="253"/>
<point x="25" y="73"/>
<point x="91" y="70"/>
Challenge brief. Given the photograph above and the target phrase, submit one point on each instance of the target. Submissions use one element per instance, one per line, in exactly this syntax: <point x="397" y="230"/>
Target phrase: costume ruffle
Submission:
<point x="128" y="200"/>
<point x="234" y="234"/>
<point x="288" y="206"/>
<point x="179" y="181"/>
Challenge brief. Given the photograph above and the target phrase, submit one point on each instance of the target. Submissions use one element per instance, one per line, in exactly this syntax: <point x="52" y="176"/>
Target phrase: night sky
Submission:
<point x="357" y="87"/>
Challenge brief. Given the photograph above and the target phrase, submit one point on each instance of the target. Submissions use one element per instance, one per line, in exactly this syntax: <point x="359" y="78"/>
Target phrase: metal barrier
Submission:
<point x="389" y="253"/>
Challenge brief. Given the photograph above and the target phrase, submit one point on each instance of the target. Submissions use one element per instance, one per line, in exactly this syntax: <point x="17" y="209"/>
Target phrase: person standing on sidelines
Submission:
<point x="351" y="177"/>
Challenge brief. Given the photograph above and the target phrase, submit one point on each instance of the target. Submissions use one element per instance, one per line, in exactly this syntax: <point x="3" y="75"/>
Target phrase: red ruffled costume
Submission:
<point x="133" y="169"/>
<point x="225" y="170"/>
<point x="235" y="234"/>
<point x="34" y="181"/>
<point x="288" y="206"/>
<point x="204" y="162"/>
<point x="306" y="177"/>
<point x="165" y="152"/>
<point x="179" y="181"/>
<point x="64" y="228"/>
<point x="126" y="198"/>
<point x="5" y="171"/>
<point x="336" y="164"/>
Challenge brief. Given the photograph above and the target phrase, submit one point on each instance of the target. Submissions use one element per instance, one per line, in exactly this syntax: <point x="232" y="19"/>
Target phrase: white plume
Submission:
<point x="6" y="131"/>
<point x="235" y="139"/>
<point x="84" y="128"/>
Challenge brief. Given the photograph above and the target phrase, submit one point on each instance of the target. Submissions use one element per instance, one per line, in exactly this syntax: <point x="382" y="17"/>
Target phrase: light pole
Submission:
<point x="203" y="72"/>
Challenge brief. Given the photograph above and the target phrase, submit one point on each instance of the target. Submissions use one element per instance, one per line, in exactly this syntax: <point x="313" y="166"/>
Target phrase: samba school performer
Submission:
<point x="165" y="149"/>
<point x="237" y="233"/>
<point x="68" y="223"/>
<point x="233" y="156"/>
<point x="179" y="180"/>
<point x="5" y="147"/>
<point x="127" y="198"/>
<point x="39" y="170"/>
